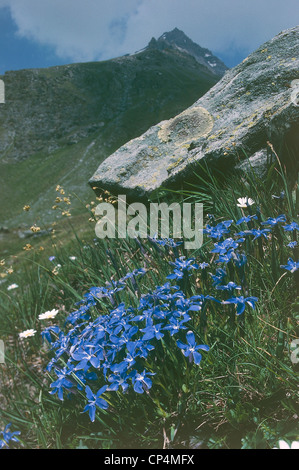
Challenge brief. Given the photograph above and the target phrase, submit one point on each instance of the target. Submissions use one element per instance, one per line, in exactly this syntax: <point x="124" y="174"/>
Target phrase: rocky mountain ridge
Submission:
<point x="177" y="40"/>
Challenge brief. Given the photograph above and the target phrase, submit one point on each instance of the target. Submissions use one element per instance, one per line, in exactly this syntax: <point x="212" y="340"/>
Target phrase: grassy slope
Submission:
<point x="245" y="390"/>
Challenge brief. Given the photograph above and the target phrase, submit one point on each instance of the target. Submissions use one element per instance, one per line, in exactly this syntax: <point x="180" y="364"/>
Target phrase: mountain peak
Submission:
<point x="175" y="35"/>
<point x="177" y="39"/>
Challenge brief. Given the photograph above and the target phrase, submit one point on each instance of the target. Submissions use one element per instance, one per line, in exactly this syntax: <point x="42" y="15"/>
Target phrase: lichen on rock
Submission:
<point x="189" y="125"/>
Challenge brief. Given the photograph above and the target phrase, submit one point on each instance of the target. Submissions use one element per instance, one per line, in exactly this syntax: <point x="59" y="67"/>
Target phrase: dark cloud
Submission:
<point x="97" y="30"/>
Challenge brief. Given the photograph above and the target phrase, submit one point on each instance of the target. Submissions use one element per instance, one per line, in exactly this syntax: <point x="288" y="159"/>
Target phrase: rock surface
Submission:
<point x="228" y="127"/>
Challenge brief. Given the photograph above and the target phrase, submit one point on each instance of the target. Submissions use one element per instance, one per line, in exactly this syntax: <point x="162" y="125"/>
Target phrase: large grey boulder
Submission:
<point x="229" y="127"/>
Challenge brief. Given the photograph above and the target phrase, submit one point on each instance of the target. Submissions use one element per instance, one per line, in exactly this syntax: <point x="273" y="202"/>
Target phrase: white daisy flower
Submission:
<point x="284" y="445"/>
<point x="48" y="314"/>
<point x="12" y="286"/>
<point x="27" y="333"/>
<point x="72" y="258"/>
<point x="245" y="202"/>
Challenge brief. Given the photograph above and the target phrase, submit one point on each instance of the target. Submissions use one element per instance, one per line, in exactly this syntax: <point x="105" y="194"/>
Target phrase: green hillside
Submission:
<point x="59" y="123"/>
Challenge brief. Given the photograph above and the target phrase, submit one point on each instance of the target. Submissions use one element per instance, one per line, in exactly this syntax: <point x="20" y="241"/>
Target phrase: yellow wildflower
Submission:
<point x="27" y="247"/>
<point x="35" y="229"/>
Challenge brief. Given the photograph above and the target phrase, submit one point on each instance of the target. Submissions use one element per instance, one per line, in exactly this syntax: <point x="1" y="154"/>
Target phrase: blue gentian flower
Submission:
<point x="152" y="331"/>
<point x="142" y="381"/>
<point x="46" y="333"/>
<point x="226" y="223"/>
<point x="125" y="337"/>
<point x="136" y="272"/>
<point x="115" y="286"/>
<point x="81" y="313"/>
<point x="94" y="294"/>
<point x="118" y="380"/>
<point x="203" y="265"/>
<point x="84" y="377"/>
<point x="246" y="219"/>
<point x="176" y="274"/>
<point x="243" y="233"/>
<point x="117" y="313"/>
<point x="6" y="436"/>
<point x="63" y="345"/>
<point x="94" y="401"/>
<point x="290" y="227"/>
<point x="184" y="265"/>
<point x="191" y="348"/>
<point x="210" y="297"/>
<point x="159" y="313"/>
<point x="274" y="220"/>
<point x="241" y="302"/>
<point x="218" y="277"/>
<point x="143" y="348"/>
<point x="165" y="241"/>
<point x="62" y="382"/>
<point x="240" y="259"/>
<point x="222" y="247"/>
<point x="179" y="314"/>
<point x="292" y="244"/>
<point x="88" y="355"/>
<point x="147" y="313"/>
<point x="260" y="233"/>
<point x="219" y="230"/>
<point x="186" y="305"/>
<point x="230" y="286"/>
<point x="128" y="361"/>
<point x="175" y="325"/>
<point x="226" y="257"/>
<point x="291" y="265"/>
<point x="106" y="346"/>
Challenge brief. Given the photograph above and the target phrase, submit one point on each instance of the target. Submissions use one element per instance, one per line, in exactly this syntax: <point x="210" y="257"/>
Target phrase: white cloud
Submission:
<point x="216" y="24"/>
<point x="80" y="30"/>
<point x="97" y="29"/>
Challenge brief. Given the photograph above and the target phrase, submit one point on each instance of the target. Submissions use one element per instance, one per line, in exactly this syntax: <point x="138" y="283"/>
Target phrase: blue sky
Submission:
<point x="42" y="33"/>
<point x="19" y="53"/>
